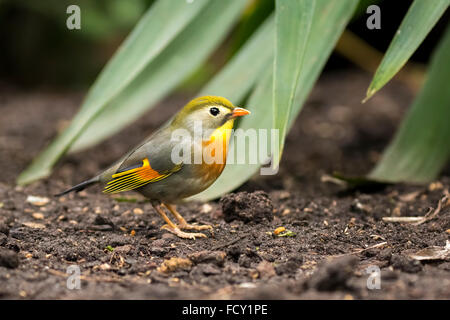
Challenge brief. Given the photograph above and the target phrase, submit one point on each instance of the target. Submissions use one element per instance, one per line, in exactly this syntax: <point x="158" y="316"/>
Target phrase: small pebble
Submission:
<point x="38" y="201"/>
<point x="34" y="225"/>
<point x="38" y="216"/>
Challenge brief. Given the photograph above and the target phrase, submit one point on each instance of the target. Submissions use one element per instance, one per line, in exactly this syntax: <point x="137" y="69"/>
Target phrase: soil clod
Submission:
<point x="103" y="221"/>
<point x="8" y="259"/>
<point x="174" y="264"/>
<point x="290" y="267"/>
<point x="4" y="229"/>
<point x="333" y="275"/>
<point x="405" y="264"/>
<point x="214" y="257"/>
<point x="244" y="206"/>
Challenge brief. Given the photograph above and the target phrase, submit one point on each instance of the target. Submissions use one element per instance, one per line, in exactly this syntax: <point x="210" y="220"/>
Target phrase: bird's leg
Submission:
<point x="182" y="224"/>
<point x="173" y="228"/>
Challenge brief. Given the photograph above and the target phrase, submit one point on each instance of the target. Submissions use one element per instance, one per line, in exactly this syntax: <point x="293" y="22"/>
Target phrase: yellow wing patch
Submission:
<point x="137" y="177"/>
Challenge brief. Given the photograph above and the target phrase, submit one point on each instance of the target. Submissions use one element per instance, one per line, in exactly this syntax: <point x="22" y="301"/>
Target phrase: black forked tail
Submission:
<point x="79" y="187"/>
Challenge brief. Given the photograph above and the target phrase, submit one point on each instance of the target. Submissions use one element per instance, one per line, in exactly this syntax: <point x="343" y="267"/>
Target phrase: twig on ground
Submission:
<point x="403" y="219"/>
<point x="444" y="202"/>
<point x="431" y="214"/>
<point x="378" y="245"/>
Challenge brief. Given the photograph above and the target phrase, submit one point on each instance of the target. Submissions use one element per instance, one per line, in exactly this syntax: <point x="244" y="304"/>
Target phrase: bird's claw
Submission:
<point x="185" y="235"/>
<point x="187" y="226"/>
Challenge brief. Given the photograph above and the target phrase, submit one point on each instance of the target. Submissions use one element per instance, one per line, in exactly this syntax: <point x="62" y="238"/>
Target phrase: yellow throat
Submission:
<point x="218" y="143"/>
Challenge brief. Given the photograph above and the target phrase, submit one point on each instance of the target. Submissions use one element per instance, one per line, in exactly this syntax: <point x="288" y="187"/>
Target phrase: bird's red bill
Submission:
<point x="239" y="112"/>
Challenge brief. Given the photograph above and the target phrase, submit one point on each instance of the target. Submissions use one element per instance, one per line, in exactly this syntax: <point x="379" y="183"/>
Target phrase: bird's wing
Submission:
<point x="150" y="162"/>
<point x="137" y="176"/>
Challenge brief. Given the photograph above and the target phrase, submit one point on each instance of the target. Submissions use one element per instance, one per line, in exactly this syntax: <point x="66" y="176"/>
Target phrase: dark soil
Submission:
<point x="335" y="235"/>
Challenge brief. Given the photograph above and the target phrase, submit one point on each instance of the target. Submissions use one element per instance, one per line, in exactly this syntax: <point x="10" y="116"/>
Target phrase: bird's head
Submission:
<point x="211" y="111"/>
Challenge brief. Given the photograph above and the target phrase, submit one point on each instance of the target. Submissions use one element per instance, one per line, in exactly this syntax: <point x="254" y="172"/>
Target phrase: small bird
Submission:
<point x="200" y="132"/>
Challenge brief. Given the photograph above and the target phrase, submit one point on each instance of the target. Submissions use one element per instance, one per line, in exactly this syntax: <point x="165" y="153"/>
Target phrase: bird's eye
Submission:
<point x="214" y="111"/>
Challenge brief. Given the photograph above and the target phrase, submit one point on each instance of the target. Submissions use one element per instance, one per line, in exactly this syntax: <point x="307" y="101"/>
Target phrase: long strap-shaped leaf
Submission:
<point x="330" y="19"/>
<point x="155" y="30"/>
<point x="293" y="20"/>
<point x="421" y="147"/>
<point x="183" y="56"/>
<point x="159" y="26"/>
<point x="239" y="76"/>
<point x="418" y="22"/>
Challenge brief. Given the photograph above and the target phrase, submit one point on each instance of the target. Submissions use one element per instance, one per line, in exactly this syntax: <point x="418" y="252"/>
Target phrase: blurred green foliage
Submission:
<point x="35" y="31"/>
<point x="37" y="48"/>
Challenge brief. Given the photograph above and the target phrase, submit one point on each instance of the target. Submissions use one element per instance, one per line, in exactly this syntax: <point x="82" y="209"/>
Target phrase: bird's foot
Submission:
<point x="185" y="235"/>
<point x="188" y="226"/>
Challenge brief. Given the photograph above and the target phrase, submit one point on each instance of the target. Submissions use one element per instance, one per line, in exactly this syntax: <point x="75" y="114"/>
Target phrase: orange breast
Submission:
<point x="215" y="152"/>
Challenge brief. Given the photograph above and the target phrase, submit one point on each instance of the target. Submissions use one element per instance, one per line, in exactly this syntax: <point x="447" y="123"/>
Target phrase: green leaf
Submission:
<point x="293" y="21"/>
<point x="330" y="19"/>
<point x="240" y="74"/>
<point x="421" y="147"/>
<point x="181" y="57"/>
<point x="361" y="183"/>
<point x="287" y="233"/>
<point x="418" y="22"/>
<point x="162" y="22"/>
<point x="159" y="26"/>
